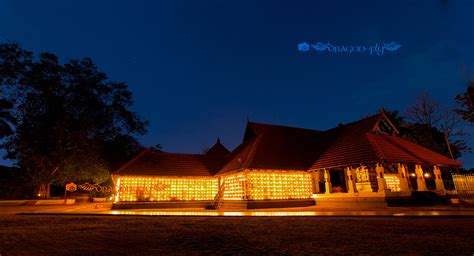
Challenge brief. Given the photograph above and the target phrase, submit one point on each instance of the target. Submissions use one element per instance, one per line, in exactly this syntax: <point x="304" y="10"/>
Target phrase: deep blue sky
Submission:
<point x="199" y="69"/>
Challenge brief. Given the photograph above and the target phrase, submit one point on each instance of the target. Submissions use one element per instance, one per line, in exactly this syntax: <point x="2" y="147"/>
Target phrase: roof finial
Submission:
<point x="218" y="140"/>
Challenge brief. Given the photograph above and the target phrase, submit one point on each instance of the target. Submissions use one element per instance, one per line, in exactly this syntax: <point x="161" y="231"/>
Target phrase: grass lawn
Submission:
<point x="240" y="235"/>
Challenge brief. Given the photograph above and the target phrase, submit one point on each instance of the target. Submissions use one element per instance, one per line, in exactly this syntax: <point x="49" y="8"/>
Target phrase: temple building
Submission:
<point x="279" y="166"/>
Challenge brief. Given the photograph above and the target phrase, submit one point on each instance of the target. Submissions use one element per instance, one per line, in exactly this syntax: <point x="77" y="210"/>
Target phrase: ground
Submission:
<point x="65" y="234"/>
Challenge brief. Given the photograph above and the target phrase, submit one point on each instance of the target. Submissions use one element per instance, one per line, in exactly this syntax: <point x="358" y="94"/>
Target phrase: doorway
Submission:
<point x="338" y="180"/>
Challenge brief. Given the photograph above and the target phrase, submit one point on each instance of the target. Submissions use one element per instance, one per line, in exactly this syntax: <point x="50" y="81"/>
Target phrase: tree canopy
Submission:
<point x="466" y="103"/>
<point x="71" y="121"/>
<point x="430" y="124"/>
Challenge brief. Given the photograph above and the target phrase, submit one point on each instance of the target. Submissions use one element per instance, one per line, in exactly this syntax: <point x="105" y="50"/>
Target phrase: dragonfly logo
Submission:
<point x="379" y="49"/>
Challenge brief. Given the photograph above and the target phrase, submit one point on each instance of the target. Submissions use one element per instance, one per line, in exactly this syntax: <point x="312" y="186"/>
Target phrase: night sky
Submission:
<point x="200" y="69"/>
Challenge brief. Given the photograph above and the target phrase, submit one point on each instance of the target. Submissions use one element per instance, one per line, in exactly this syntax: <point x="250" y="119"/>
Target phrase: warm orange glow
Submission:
<point x="235" y="186"/>
<point x="117" y="188"/>
<point x="165" y="188"/>
<point x="393" y="182"/>
<point x="279" y="185"/>
<point x="262" y="185"/>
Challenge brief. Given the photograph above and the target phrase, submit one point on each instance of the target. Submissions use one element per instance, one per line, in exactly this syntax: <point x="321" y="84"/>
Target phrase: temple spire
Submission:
<point x="218" y="149"/>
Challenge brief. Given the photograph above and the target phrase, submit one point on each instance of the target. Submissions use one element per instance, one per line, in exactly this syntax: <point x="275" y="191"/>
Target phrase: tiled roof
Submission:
<point x="241" y="156"/>
<point x="286" y="148"/>
<point x="346" y="145"/>
<point x="275" y="147"/>
<point x="395" y="149"/>
<point x="358" y="142"/>
<point x="150" y="163"/>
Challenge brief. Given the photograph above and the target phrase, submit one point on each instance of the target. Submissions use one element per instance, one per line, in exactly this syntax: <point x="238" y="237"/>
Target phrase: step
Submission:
<point x="234" y="205"/>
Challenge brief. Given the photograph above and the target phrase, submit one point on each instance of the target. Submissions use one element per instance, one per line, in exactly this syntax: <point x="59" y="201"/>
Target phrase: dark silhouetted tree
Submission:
<point x="157" y="148"/>
<point x="6" y="118"/>
<point x="435" y="127"/>
<point x="71" y="120"/>
<point x="466" y="103"/>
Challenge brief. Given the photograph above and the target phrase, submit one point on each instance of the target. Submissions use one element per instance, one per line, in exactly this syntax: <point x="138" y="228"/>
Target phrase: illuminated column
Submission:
<point x="380" y="179"/>
<point x="420" y="180"/>
<point x="403" y="178"/>
<point x="245" y="187"/>
<point x="327" y="181"/>
<point x="315" y="181"/>
<point x="438" y="180"/>
<point x="350" y="181"/>
<point x="117" y="190"/>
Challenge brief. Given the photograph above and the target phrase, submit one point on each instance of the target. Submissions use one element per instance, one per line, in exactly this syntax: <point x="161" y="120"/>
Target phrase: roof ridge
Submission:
<point x="383" y="116"/>
<point x="285" y="126"/>
<point x="250" y="158"/>
<point x="175" y="153"/>
<point x="377" y="150"/>
<point x="355" y="122"/>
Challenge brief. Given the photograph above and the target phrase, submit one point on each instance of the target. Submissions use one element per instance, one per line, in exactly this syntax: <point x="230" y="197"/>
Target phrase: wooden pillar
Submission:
<point x="315" y="179"/>
<point x="404" y="187"/>
<point x="380" y="178"/>
<point x="327" y="181"/>
<point x="350" y="180"/>
<point x="438" y="180"/>
<point x="420" y="180"/>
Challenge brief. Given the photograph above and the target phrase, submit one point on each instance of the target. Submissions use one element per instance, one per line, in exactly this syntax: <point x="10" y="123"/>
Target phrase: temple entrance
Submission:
<point x="338" y="180"/>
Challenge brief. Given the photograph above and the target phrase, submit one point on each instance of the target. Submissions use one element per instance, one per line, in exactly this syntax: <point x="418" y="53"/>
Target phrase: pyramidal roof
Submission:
<point x="218" y="149"/>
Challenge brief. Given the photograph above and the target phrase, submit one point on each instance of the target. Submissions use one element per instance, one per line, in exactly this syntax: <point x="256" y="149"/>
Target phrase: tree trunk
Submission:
<point x="44" y="190"/>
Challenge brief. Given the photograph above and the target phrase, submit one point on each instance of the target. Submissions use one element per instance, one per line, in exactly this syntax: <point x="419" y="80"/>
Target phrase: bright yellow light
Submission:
<point x="427" y="175"/>
<point x="166" y="188"/>
<point x="393" y="182"/>
<point x="263" y="185"/>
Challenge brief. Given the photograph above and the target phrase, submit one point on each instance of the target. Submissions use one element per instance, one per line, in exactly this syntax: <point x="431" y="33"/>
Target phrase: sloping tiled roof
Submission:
<point x="396" y="149"/>
<point x="150" y="163"/>
<point x="286" y="148"/>
<point x="358" y="142"/>
<point x="241" y="156"/>
<point x="346" y="145"/>
<point x="275" y="147"/>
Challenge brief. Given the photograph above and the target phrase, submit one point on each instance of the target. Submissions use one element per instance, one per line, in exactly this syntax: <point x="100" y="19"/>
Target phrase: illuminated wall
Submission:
<point x="263" y="185"/>
<point x="235" y="186"/>
<point x="165" y="188"/>
<point x="393" y="182"/>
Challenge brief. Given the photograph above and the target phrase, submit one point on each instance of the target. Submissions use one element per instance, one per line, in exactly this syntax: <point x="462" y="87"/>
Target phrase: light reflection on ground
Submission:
<point x="104" y="210"/>
<point x="288" y="213"/>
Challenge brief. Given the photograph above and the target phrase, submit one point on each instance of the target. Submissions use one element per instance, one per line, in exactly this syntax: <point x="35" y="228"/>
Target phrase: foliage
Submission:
<point x="6" y="119"/>
<point x="71" y="120"/>
<point x="429" y="124"/>
<point x="466" y="103"/>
